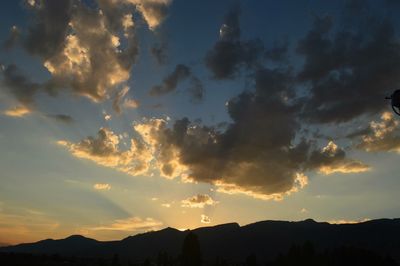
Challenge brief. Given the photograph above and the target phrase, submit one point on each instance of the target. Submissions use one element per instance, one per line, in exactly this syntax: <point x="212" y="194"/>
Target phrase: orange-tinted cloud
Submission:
<point x="198" y="201"/>
<point x="131" y="224"/>
<point x="18" y="111"/>
<point x="205" y="219"/>
<point x="101" y="186"/>
<point x="382" y="136"/>
<point x="332" y="159"/>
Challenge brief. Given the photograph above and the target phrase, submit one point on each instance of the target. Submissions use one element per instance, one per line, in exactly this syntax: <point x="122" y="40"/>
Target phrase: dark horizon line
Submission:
<point x="309" y="220"/>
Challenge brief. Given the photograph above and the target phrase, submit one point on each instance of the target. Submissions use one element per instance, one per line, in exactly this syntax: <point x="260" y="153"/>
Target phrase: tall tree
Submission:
<point x="191" y="253"/>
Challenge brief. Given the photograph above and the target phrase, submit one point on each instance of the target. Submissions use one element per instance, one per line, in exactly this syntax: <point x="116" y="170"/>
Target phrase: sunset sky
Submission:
<point x="123" y="116"/>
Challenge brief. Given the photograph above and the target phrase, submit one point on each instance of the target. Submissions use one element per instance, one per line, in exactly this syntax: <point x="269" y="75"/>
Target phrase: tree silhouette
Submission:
<point x="163" y="259"/>
<point x="191" y="254"/>
<point x="251" y="260"/>
<point x="115" y="260"/>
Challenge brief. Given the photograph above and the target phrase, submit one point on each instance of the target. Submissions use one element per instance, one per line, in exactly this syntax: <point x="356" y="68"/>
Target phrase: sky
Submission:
<point x="119" y="117"/>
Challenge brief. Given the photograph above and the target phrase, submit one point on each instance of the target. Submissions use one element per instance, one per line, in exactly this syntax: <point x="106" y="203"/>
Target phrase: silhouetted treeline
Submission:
<point x="298" y="255"/>
<point x="20" y="259"/>
<point x="306" y="255"/>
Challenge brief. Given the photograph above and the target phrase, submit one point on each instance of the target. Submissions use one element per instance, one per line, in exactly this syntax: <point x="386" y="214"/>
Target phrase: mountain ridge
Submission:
<point x="266" y="239"/>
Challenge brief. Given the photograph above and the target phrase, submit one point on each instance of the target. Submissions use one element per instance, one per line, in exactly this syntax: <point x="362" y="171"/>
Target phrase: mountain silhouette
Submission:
<point x="265" y="239"/>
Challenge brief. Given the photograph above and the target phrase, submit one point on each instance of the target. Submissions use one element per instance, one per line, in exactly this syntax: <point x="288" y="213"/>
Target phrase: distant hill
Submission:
<point x="265" y="239"/>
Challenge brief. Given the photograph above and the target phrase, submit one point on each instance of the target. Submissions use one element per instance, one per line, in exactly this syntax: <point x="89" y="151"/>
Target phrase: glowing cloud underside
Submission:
<point x="130" y="224"/>
<point x="156" y="147"/>
<point x="18" y="111"/>
<point x="383" y="136"/>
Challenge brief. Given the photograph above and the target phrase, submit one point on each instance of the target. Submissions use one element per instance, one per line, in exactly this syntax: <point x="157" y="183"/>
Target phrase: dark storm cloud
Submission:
<point x="350" y="71"/>
<point x="260" y="153"/>
<point x="230" y="53"/>
<point x="257" y="154"/>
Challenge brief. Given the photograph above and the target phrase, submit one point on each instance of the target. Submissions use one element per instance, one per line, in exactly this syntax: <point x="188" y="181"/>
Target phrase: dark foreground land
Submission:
<point x="272" y="243"/>
<point x="297" y="255"/>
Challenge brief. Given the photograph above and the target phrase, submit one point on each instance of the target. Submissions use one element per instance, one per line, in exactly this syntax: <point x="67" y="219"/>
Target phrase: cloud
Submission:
<point x="303" y="210"/>
<point x="299" y="182"/>
<point x="91" y="61"/>
<point x="101" y="186"/>
<point x="13" y="38"/>
<point x="229" y="53"/>
<point x="165" y="155"/>
<point x="259" y="153"/>
<point x="18" y="225"/>
<point x="196" y="90"/>
<point x="47" y="33"/>
<point x="18" y="85"/>
<point x="332" y="159"/>
<point x="61" y="118"/>
<point x="381" y="136"/>
<point x="198" y="201"/>
<point x="343" y="85"/>
<point x="104" y="150"/>
<point x="205" y="219"/>
<point x="31" y="2"/>
<point x="171" y="82"/>
<point x="159" y="53"/>
<point x="255" y="154"/>
<point x="131" y="224"/>
<point x="143" y="155"/>
<point x="120" y="100"/>
<point x="130" y="104"/>
<point x="154" y="12"/>
<point x="17" y="111"/>
<point x="278" y="52"/>
<point x="166" y="205"/>
<point x="343" y="221"/>
<point x="230" y="29"/>
<point x="88" y="51"/>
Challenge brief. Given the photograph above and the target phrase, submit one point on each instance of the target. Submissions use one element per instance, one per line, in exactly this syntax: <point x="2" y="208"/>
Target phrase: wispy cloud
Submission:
<point x="130" y="224"/>
<point x="102" y="186"/>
